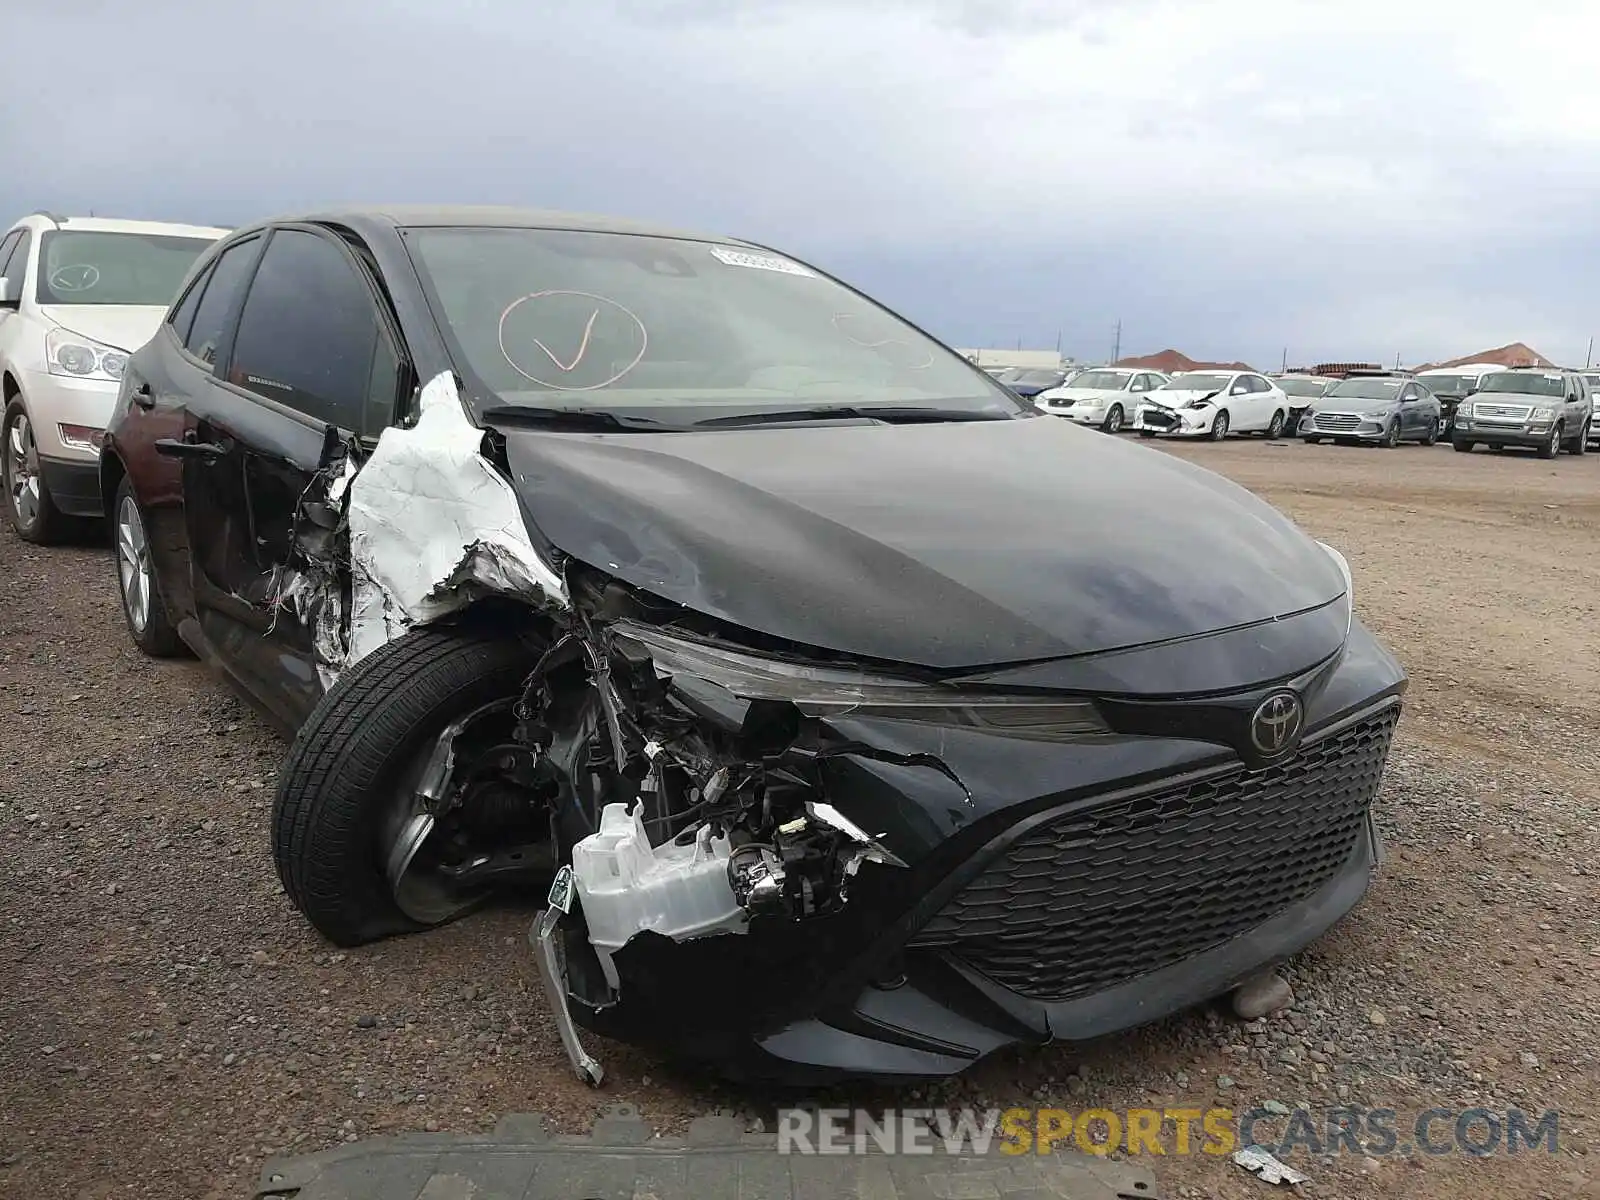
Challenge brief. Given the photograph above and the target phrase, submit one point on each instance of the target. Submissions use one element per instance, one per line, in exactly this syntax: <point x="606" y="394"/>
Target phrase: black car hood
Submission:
<point x="946" y="546"/>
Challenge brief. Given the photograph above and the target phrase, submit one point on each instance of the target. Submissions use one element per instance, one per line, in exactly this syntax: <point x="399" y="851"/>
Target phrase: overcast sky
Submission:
<point x="1357" y="179"/>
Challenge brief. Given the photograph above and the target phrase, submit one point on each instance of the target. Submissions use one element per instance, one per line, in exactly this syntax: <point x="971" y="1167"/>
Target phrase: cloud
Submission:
<point x="1352" y="180"/>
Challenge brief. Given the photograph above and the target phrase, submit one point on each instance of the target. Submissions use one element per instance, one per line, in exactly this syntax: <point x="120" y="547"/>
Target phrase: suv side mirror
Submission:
<point x="10" y="292"/>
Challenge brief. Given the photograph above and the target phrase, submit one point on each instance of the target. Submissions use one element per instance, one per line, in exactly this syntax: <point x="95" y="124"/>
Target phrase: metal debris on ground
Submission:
<point x="1258" y="1162"/>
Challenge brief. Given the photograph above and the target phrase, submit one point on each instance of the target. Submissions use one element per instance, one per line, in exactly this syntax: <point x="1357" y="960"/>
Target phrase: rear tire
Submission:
<point x="1219" y="426"/>
<point x="143" y="607"/>
<point x="343" y="777"/>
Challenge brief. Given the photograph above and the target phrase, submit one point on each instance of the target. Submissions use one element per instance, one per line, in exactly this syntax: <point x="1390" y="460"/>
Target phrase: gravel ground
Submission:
<point x="166" y="1020"/>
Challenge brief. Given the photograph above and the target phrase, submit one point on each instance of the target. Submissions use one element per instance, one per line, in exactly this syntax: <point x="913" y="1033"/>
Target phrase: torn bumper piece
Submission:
<point x="1024" y="888"/>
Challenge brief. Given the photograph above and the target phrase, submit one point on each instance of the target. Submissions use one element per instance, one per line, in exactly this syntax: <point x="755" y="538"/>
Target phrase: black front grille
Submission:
<point x="1160" y="419"/>
<point x="1106" y="893"/>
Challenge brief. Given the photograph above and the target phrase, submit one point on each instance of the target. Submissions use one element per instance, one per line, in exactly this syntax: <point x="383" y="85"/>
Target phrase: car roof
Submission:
<point x="116" y="225"/>
<point x="423" y="216"/>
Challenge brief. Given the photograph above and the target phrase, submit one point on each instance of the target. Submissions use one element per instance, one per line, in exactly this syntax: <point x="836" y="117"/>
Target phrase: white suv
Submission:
<point x="77" y="296"/>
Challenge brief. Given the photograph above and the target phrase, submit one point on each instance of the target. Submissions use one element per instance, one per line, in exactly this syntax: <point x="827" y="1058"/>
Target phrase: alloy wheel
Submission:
<point x="133" y="564"/>
<point x="1114" y="419"/>
<point x="1219" y="426"/>
<point x="22" y="471"/>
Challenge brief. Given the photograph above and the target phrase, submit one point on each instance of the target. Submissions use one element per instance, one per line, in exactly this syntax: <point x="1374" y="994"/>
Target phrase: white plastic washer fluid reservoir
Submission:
<point x="626" y="885"/>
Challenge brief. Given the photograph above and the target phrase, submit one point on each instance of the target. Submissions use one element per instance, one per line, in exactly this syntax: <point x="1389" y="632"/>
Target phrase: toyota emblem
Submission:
<point x="1276" y="724"/>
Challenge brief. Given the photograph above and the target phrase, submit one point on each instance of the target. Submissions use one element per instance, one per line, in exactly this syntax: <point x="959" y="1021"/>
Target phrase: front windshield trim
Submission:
<point x="987" y="395"/>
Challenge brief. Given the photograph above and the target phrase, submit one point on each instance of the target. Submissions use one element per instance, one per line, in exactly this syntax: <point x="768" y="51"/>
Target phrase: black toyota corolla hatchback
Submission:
<point x="844" y="714"/>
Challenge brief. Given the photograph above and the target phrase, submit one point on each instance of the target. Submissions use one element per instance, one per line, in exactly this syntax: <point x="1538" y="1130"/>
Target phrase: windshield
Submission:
<point x="1447" y="385"/>
<point x="80" y="267"/>
<point x="575" y="319"/>
<point x="1525" y="383"/>
<point x="1303" y="387"/>
<point x="1196" y="382"/>
<point x="1111" y="381"/>
<point x="1367" y="389"/>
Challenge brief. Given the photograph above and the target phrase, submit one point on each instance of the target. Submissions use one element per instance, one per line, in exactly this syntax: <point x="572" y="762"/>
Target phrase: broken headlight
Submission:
<point x="820" y="691"/>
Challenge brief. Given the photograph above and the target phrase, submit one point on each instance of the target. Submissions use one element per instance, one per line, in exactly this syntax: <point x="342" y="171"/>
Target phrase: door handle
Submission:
<point x="143" y="396"/>
<point x="205" y="451"/>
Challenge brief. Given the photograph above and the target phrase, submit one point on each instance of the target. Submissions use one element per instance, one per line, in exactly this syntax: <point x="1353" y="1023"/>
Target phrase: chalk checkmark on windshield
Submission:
<point x="583" y="346"/>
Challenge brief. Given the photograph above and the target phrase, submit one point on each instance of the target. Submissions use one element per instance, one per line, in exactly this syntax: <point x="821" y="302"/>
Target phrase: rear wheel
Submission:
<point x="33" y="513"/>
<point x="1275" y="427"/>
<point x="1113" y="421"/>
<point x="361" y="848"/>
<point x="1219" y="426"/>
<point x="142" y="605"/>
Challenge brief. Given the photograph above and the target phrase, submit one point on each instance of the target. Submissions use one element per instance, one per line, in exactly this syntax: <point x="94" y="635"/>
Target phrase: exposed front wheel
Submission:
<point x="1432" y="435"/>
<point x="1113" y="421"/>
<point x="142" y="604"/>
<point x="1219" y="427"/>
<point x="1275" y="426"/>
<point x="33" y="514"/>
<point x="1462" y="445"/>
<point x="373" y="831"/>
<point x="1391" y="435"/>
<point x="1552" y="444"/>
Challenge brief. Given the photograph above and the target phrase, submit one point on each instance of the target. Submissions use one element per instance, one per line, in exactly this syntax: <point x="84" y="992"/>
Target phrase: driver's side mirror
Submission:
<point x="1237" y="389"/>
<point x="10" y="292"/>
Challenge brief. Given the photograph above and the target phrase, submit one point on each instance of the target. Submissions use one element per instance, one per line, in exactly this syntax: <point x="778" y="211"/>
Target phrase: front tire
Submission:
<point x="1432" y="436"/>
<point x="1147" y="433"/>
<point x="1113" y="421"/>
<point x="1461" y="445"/>
<point x="1580" y="444"/>
<point x="143" y="607"/>
<point x="1219" y="426"/>
<point x="1275" y="427"/>
<point x="347" y="774"/>
<point x="33" y="513"/>
<point x="1391" y="435"/>
<point x="1552" y="444"/>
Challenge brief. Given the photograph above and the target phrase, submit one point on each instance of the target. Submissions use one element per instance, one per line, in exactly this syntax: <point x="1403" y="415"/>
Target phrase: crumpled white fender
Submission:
<point x="433" y="526"/>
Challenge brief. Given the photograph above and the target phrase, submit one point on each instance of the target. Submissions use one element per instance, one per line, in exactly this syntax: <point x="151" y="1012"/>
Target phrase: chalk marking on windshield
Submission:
<point x="840" y="317"/>
<point x="583" y="348"/>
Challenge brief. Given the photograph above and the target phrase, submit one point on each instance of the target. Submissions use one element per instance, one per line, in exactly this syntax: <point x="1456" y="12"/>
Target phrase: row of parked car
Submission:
<point x="1546" y="409"/>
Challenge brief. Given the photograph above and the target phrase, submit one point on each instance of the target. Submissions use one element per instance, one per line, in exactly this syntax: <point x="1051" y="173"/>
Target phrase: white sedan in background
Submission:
<point x="1104" y="396"/>
<point x="1213" y="404"/>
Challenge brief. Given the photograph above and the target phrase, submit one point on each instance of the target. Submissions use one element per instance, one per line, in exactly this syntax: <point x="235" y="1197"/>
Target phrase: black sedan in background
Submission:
<point x="1384" y="409"/>
<point x="1028" y="382"/>
<point x="1301" y="391"/>
<point x="669" y="579"/>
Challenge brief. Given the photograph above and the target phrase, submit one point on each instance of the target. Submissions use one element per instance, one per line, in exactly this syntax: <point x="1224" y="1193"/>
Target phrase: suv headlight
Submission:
<point x="1343" y="564"/>
<point x="818" y="690"/>
<point x="74" y="355"/>
<point x="1543" y="413"/>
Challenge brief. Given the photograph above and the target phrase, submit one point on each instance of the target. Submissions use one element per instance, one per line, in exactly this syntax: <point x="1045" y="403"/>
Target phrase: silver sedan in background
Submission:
<point x="1104" y="396"/>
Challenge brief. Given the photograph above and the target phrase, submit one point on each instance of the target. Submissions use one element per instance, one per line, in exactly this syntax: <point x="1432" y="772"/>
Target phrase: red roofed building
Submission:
<point x="1174" y="362"/>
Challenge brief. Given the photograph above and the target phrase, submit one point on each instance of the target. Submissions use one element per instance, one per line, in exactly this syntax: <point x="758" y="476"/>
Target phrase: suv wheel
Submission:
<point x="1462" y="446"/>
<point x="1552" y="444"/>
<point x="33" y="514"/>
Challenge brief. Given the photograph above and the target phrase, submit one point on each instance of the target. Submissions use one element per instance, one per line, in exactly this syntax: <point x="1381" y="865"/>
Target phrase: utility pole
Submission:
<point x="1284" y="368"/>
<point x="1588" y="355"/>
<point x="1116" y="345"/>
<point x="1397" y="360"/>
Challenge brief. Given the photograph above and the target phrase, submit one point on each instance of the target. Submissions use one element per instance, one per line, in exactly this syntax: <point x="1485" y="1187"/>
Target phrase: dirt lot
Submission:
<point x="166" y="1020"/>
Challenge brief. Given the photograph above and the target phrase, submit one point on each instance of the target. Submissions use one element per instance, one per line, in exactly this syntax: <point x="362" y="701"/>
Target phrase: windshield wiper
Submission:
<point x="893" y="414"/>
<point x="602" y="420"/>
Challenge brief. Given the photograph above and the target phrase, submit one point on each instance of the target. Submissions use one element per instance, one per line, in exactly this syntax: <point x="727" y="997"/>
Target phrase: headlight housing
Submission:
<point x="1543" y="413"/>
<point x="1343" y="564"/>
<point x="822" y="691"/>
<point x="73" y="355"/>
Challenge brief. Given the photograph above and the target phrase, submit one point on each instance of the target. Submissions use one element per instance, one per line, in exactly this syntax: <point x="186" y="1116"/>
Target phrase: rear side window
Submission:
<point x="183" y="315"/>
<point x="220" y="298"/>
<point x="6" y="247"/>
<point x="309" y="336"/>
